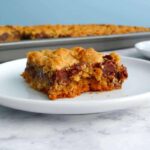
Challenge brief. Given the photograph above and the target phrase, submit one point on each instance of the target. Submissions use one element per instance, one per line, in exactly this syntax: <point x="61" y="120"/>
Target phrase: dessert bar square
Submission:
<point x="11" y="33"/>
<point x="59" y="31"/>
<point x="66" y="73"/>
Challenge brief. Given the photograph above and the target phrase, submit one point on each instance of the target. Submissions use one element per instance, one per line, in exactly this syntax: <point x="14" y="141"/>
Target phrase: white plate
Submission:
<point x="15" y="93"/>
<point x="143" y="48"/>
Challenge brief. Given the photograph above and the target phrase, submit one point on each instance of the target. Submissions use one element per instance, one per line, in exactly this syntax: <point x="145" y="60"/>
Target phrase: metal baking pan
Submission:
<point x="15" y="50"/>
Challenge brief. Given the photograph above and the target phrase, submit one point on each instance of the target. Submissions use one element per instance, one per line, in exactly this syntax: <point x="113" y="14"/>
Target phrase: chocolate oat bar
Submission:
<point x="17" y="33"/>
<point x="58" y="31"/>
<point x="66" y="73"/>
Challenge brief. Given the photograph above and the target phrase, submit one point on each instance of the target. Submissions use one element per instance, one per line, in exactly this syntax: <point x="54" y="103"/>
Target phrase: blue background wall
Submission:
<point x="28" y="12"/>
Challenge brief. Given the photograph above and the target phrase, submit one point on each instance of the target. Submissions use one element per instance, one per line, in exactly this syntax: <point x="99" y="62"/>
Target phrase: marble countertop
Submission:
<point x="119" y="130"/>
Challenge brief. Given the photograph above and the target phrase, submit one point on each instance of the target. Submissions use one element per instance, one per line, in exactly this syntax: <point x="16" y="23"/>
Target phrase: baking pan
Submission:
<point x="16" y="50"/>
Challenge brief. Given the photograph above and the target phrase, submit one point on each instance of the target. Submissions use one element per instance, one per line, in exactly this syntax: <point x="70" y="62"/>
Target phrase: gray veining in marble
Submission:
<point x="118" y="130"/>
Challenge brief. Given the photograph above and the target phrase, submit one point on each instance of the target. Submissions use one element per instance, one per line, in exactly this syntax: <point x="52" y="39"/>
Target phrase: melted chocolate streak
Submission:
<point x="108" y="67"/>
<point x="4" y="36"/>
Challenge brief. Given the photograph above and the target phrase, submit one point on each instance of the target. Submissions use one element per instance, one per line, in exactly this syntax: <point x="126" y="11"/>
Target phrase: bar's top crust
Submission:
<point x="55" y="31"/>
<point x="64" y="58"/>
<point x="6" y="29"/>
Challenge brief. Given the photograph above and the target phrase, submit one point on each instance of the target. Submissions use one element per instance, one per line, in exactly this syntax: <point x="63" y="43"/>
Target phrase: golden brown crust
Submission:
<point x="63" y="57"/>
<point x="9" y="34"/>
<point x="46" y="31"/>
<point x="20" y="29"/>
<point x="58" y="31"/>
<point x="69" y="72"/>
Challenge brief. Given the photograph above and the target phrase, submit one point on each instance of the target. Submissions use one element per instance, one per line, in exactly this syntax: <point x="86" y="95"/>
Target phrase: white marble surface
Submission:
<point x="120" y="130"/>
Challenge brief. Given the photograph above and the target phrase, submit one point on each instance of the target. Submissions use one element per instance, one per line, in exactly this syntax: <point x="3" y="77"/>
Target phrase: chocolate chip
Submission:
<point x="75" y="69"/>
<point x="42" y="35"/>
<point x="97" y="65"/>
<point x="108" y="57"/>
<point x="4" y="36"/>
<point x="122" y="74"/>
<point x="109" y="68"/>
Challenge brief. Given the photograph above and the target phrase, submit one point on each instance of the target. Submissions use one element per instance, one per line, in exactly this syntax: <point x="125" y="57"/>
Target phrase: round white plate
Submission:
<point x="143" y="48"/>
<point x="15" y="93"/>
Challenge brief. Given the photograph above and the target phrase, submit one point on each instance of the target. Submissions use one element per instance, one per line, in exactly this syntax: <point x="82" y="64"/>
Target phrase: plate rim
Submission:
<point x="137" y="46"/>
